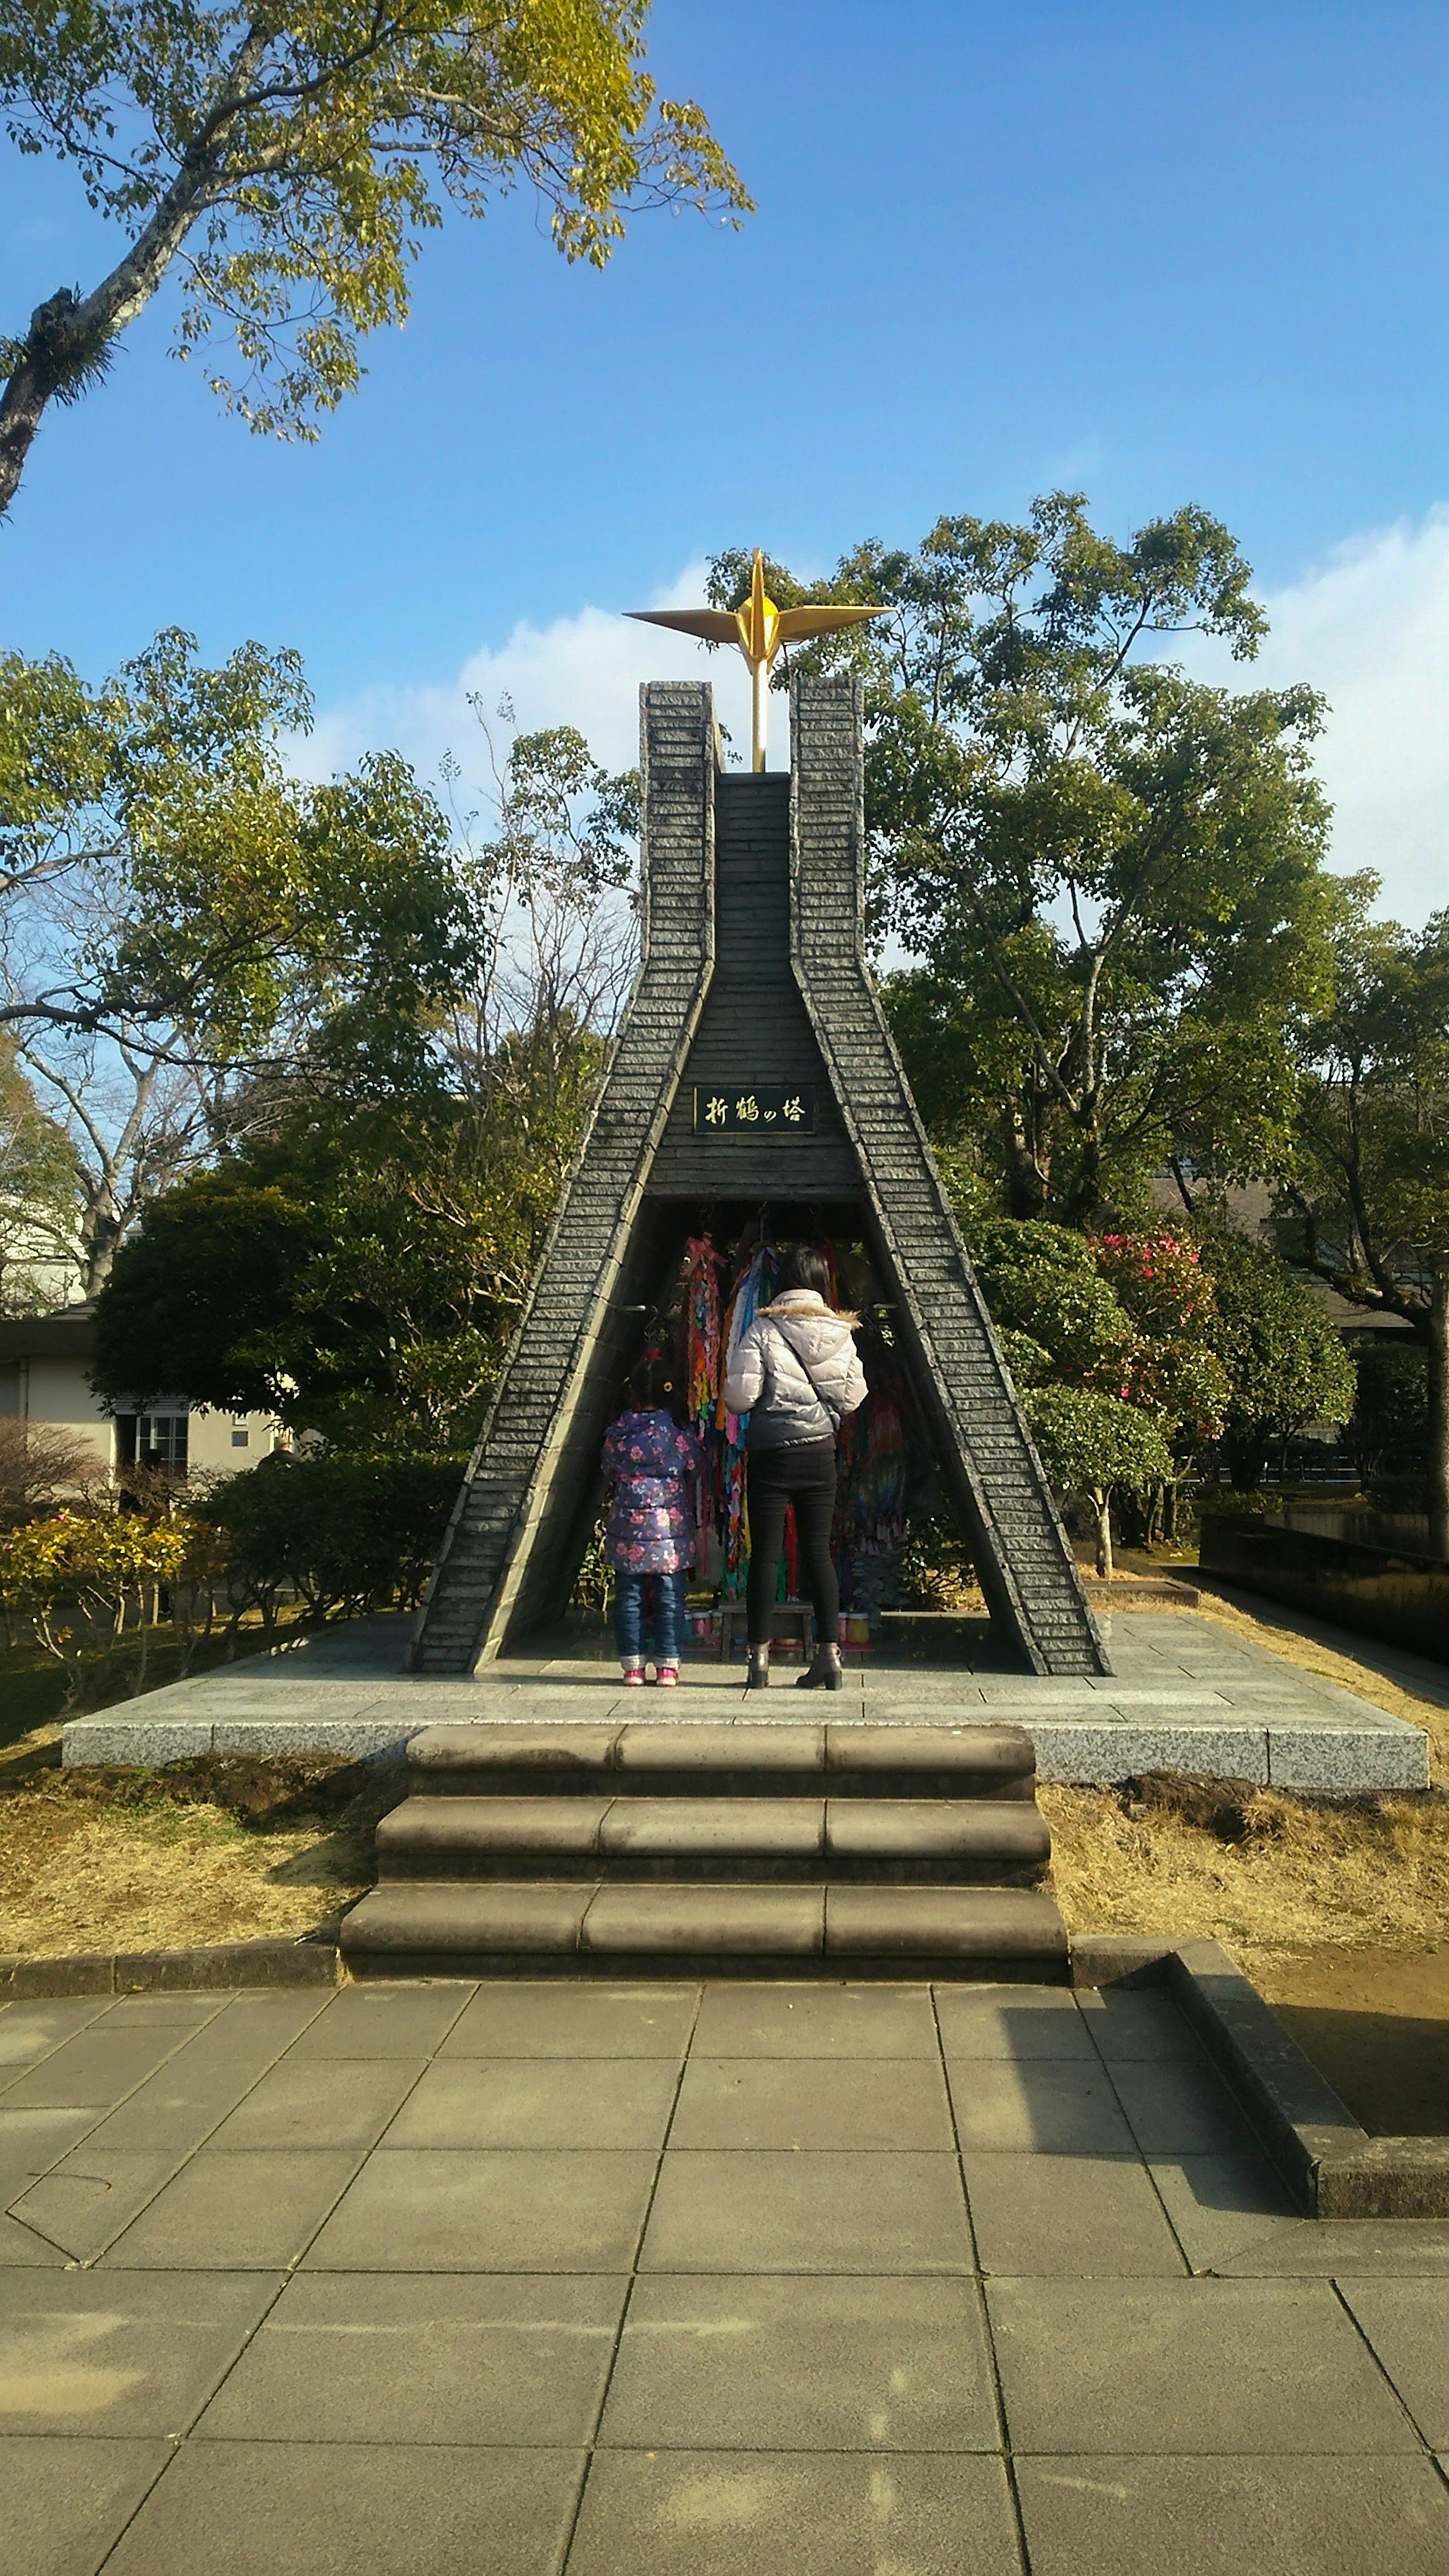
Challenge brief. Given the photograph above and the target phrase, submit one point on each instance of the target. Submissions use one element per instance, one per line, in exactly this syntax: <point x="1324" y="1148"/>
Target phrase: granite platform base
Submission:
<point x="1184" y="1696"/>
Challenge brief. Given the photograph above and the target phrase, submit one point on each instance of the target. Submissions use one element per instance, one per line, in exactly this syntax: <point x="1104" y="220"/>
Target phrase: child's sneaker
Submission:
<point x="666" y="1676"/>
<point x="634" y="1673"/>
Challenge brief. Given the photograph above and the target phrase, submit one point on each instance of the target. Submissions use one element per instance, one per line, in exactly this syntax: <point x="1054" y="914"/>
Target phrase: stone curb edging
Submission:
<point x="1331" y="2165"/>
<point x="163" y="1972"/>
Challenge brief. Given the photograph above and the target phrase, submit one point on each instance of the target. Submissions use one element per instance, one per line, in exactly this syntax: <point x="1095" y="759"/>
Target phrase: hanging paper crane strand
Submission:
<point x="759" y="628"/>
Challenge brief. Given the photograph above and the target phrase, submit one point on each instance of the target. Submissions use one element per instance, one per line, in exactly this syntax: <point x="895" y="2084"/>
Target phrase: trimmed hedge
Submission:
<point x="347" y="1534"/>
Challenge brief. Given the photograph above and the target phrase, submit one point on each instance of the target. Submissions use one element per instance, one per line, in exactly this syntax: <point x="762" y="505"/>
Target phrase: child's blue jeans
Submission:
<point x="629" y="1586"/>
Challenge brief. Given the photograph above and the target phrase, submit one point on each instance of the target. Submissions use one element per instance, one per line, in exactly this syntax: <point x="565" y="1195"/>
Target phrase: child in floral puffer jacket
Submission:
<point x="650" y="1462"/>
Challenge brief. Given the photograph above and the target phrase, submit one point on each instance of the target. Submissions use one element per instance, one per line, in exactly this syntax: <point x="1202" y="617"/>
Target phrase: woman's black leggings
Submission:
<point x="804" y="1476"/>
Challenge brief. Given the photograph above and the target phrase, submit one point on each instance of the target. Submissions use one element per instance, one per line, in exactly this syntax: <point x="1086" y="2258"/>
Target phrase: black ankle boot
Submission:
<point x="758" y="1676"/>
<point x="826" y="1673"/>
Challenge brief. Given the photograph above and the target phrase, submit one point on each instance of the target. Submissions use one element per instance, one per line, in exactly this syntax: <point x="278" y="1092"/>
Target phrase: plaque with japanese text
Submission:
<point x="754" y="1109"/>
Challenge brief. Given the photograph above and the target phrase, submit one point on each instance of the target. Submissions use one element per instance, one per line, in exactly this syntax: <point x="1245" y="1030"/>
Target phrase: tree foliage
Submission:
<point x="1107" y="1341"/>
<point x="1108" y="872"/>
<point x="39" y="1193"/>
<point x="1366" y="1202"/>
<point x="176" y="912"/>
<point x="1285" y="1360"/>
<point x="288" y="167"/>
<point x="1389" y="1430"/>
<point x="356" y="1259"/>
<point x="344" y="1534"/>
<point x="83" y="1577"/>
<point x="226" y="901"/>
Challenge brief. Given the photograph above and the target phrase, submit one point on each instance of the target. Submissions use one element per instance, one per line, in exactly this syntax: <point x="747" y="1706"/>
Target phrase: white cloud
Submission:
<point x="1369" y="627"/>
<point x="584" y="670"/>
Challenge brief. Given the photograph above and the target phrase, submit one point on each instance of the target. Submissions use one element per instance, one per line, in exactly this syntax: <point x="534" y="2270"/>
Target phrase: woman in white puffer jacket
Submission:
<point x="797" y="1374"/>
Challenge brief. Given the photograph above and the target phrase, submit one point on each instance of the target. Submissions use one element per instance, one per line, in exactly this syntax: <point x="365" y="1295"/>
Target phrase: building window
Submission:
<point x="161" y="1441"/>
<point x="241" y="1437"/>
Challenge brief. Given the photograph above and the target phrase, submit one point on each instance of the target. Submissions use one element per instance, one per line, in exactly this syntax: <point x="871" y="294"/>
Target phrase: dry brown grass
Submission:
<point x="1303" y="1877"/>
<point x="1293" y="1878"/>
<point x="117" y="1863"/>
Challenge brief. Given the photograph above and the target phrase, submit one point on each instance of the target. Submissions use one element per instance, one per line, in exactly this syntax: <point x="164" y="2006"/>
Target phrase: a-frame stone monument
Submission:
<point x="753" y="980"/>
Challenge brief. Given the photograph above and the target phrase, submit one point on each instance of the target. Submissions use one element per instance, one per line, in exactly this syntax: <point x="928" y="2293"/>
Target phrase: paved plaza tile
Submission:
<point x="426" y="2357"/>
<point x="1074" y="2215"/>
<point x="553" y="2017"/>
<point x="816" y="2021"/>
<point x="840" y="2365"/>
<point x="501" y="2210"/>
<point x="130" y="2356"/>
<point x="1407" y="2324"/>
<point x="1187" y="2366"/>
<point x="1090" y="2516"/>
<point x="1039" y="2106"/>
<point x="95" y="2069"/>
<point x="831" y="2210"/>
<point x="229" y="2209"/>
<point x="329" y="2509"/>
<point x="781" y="2513"/>
<point x="563" y="2278"/>
<point x="30" y="2032"/>
<point x="62" y="2503"/>
<point x="539" y="2102"/>
<point x="328" y="2102"/>
<point x="384" y="2021"/>
<point x="862" y="2102"/>
<point x="1013" y="2023"/>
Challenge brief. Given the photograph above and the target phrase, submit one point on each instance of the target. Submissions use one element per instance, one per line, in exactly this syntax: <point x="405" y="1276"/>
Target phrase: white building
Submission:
<point x="44" y="1377"/>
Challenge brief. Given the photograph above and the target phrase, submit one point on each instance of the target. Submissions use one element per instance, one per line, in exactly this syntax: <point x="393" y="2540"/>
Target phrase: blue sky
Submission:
<point x="1160" y="252"/>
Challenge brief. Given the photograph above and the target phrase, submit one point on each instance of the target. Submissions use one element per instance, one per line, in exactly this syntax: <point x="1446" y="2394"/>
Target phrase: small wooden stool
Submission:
<point x="733" y="1618"/>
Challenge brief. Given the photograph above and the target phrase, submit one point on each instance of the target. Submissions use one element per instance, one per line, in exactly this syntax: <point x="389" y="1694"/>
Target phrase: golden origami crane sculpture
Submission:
<point x="759" y="628"/>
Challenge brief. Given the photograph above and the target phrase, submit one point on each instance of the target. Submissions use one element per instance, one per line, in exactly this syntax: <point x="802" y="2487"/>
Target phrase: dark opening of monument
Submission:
<point x="709" y="1265"/>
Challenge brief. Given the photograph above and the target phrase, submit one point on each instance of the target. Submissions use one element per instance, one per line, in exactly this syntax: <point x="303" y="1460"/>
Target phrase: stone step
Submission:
<point x="859" y="1840"/>
<point x="780" y="1759"/>
<point x="491" y="1928"/>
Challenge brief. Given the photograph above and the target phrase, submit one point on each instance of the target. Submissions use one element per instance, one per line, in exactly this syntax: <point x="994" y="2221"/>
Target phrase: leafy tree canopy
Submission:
<point x="358" y="1257"/>
<point x="1285" y="1359"/>
<point x="1109" y="872"/>
<point x="353" y="1273"/>
<point x="289" y="166"/>
<point x="1390" y="1422"/>
<point x="1130" y="1316"/>
<point x="160" y="871"/>
<point x="1366" y="1202"/>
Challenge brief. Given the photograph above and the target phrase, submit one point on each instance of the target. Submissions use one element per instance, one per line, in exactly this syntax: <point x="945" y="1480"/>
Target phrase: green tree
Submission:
<point x="359" y="1256"/>
<point x="1388" y="1433"/>
<point x="357" y="1274"/>
<point x="1286" y="1364"/>
<point x="1106" y="1340"/>
<point x="1366" y="1204"/>
<point x="1097" y="1447"/>
<point x="176" y="911"/>
<point x="288" y="166"/>
<point x="159" y="862"/>
<point x="1108" y="872"/>
<point x="344" y="1534"/>
<point x="307" y="1277"/>
<point x="39" y="1194"/>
